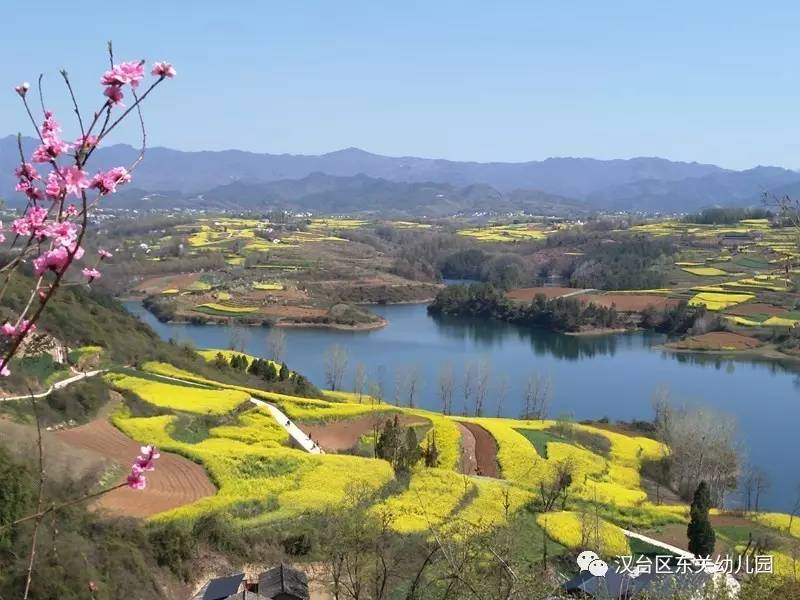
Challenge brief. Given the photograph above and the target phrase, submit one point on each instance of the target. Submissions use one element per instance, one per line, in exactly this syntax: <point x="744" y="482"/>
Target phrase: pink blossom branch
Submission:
<point x="135" y="480"/>
<point x="66" y="236"/>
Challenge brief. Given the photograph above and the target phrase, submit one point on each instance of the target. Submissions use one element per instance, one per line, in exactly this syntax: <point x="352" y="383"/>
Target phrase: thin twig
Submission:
<point x="41" y="94"/>
<point x="40" y="498"/>
<point x="65" y="75"/>
<point x="56" y="507"/>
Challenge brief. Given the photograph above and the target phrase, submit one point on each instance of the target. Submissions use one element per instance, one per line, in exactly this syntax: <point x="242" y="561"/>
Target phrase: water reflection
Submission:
<point x="543" y="343"/>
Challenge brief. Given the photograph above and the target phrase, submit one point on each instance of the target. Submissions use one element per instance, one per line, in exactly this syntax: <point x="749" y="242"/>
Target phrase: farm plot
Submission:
<point x="175" y="483"/>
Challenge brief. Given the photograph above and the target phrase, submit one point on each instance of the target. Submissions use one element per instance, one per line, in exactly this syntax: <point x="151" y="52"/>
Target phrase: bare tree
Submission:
<point x="235" y="337"/>
<point x="359" y="380"/>
<point x="336" y="360"/>
<point x="470" y="377"/>
<point x="662" y="408"/>
<point x="413" y="384"/>
<point x="795" y="508"/>
<point x="276" y="344"/>
<point x="484" y="374"/>
<point x="407" y="384"/>
<point x="501" y="392"/>
<point x="374" y="392"/>
<point x="557" y="485"/>
<point x="537" y="397"/>
<point x="703" y="447"/>
<point x="747" y="484"/>
<point x="446" y="384"/>
<point x="761" y="485"/>
<point x="380" y="383"/>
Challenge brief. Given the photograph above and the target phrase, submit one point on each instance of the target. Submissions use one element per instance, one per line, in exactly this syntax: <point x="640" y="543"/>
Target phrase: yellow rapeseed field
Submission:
<point x="581" y="531"/>
<point x="179" y="397"/>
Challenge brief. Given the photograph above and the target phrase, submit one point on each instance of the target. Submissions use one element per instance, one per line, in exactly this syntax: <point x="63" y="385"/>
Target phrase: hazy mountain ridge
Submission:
<point x="319" y="192"/>
<point x="361" y="181"/>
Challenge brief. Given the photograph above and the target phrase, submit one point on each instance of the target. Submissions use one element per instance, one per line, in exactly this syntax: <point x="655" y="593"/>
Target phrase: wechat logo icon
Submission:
<point x="589" y="561"/>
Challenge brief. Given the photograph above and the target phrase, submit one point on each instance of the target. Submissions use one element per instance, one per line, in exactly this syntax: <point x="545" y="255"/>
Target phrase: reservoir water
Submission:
<point x="610" y="376"/>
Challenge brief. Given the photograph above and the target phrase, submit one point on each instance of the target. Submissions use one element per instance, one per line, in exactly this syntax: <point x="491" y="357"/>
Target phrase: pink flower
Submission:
<point x="104" y="254"/>
<point x="136" y="478"/>
<point x="106" y="183"/>
<point x="24" y="326"/>
<point x="50" y="125"/>
<point x="63" y="233"/>
<point x="32" y="223"/>
<point x="71" y="210"/>
<point x="163" y="69"/>
<point x="75" y="180"/>
<point x="27" y="171"/>
<point x="114" y="95"/>
<point x="91" y="274"/>
<point x="56" y="260"/>
<point x="52" y="148"/>
<point x="124" y="73"/>
<point x="54" y="189"/>
<point x="23" y="186"/>
<point x="52" y="260"/>
<point x="22" y="88"/>
<point x="4" y="372"/>
<point x="144" y="462"/>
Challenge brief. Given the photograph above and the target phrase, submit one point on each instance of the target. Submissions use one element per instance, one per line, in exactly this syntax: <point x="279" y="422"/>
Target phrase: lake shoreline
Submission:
<point x="767" y="352"/>
<point x="379" y="323"/>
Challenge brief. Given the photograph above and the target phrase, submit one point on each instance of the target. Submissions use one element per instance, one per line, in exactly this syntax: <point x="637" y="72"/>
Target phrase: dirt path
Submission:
<point x="175" y="482"/>
<point x="300" y="437"/>
<point x="485" y="450"/>
<point x="342" y="435"/>
<point x="468" y="465"/>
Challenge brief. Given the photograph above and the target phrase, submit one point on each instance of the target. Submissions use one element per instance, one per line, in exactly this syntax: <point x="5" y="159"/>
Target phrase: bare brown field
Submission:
<point x="337" y="436"/>
<point x="755" y="308"/>
<point x="629" y="302"/>
<point x="718" y="340"/>
<point x="175" y="482"/>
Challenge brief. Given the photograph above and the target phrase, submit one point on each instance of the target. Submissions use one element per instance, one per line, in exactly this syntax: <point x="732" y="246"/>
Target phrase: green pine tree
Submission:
<point x="700" y="533"/>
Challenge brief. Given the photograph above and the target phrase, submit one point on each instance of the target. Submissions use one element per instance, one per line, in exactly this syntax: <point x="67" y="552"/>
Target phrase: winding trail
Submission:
<point x="468" y="463"/>
<point x="297" y="434"/>
<point x="56" y="386"/>
<point x="730" y="582"/>
<point x="485" y="450"/>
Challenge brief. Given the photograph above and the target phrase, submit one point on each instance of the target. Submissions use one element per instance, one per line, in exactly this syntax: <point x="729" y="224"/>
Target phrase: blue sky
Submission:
<point x="707" y="81"/>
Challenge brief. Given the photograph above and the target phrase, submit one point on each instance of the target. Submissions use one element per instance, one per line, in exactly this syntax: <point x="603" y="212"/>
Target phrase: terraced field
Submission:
<point x="177" y="481"/>
<point x="261" y="479"/>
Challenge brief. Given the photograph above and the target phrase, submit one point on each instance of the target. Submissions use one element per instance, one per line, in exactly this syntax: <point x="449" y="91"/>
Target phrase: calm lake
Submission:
<point x="593" y="377"/>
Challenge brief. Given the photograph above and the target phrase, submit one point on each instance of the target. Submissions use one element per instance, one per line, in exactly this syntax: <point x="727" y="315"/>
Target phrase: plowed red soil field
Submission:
<point x="175" y="482"/>
<point x="343" y="435"/>
<point x="629" y="302"/>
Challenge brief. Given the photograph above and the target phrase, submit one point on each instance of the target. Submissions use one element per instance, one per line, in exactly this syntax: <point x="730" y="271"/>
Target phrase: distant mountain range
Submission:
<point x="352" y="180"/>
